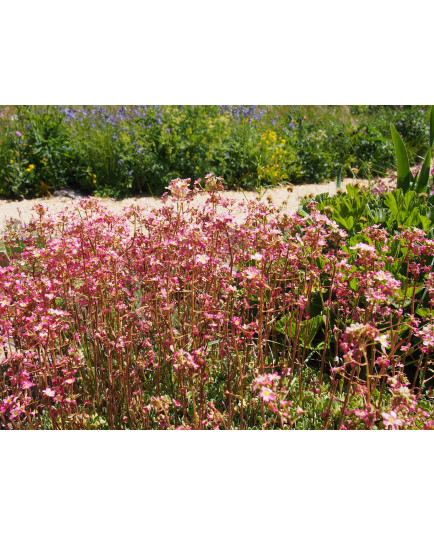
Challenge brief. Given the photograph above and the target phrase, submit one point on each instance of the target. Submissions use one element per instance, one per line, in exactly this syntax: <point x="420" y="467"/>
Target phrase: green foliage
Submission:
<point x="372" y="152"/>
<point x="406" y="181"/>
<point x="133" y="150"/>
<point x="306" y="330"/>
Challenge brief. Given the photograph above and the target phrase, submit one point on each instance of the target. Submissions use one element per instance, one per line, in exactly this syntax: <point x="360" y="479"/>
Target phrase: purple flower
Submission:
<point x="291" y="125"/>
<point x="18" y="133"/>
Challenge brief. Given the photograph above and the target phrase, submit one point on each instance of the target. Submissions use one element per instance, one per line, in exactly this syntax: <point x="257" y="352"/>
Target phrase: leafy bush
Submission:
<point x="32" y="154"/>
<point x="131" y="150"/>
<point x="373" y="154"/>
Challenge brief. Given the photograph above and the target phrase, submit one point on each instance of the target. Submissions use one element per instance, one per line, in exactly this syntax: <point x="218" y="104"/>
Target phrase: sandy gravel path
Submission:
<point x="22" y="210"/>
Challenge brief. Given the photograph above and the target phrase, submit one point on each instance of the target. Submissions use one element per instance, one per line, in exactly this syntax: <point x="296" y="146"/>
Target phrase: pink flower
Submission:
<point x="49" y="392"/>
<point x="237" y="321"/>
<point x="364" y="247"/>
<point x="15" y="412"/>
<point x="382" y="361"/>
<point x="26" y="384"/>
<point x="18" y="133"/>
<point x="70" y="381"/>
<point x="256" y="257"/>
<point x="267" y="394"/>
<point x="202" y="259"/>
<point x="391" y="419"/>
<point x="251" y="272"/>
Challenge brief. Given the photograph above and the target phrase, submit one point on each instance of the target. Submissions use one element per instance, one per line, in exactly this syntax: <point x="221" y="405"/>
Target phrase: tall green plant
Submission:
<point x="406" y="181"/>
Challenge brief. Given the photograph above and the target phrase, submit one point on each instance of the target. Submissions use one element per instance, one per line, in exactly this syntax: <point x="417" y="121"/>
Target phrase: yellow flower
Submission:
<point x="11" y="162"/>
<point x="31" y="167"/>
<point x="94" y="176"/>
<point x="94" y="181"/>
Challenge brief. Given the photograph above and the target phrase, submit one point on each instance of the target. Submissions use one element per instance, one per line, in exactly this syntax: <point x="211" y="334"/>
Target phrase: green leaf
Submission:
<point x="425" y="222"/>
<point x="412" y="219"/>
<point x="431" y="127"/>
<point x="423" y="178"/>
<point x="407" y="202"/>
<point x="308" y="329"/>
<point x="404" y="173"/>
<point x="391" y="201"/>
<point x="423" y="311"/>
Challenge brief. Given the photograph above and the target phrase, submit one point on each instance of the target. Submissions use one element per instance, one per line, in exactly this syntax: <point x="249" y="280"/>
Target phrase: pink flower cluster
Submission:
<point x="182" y="317"/>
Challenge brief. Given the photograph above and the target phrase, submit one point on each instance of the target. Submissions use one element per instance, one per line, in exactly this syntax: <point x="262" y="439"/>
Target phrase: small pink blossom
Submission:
<point x="267" y="394"/>
<point x="364" y="247"/>
<point x="49" y="392"/>
<point x="69" y="381"/>
<point x="256" y="257"/>
<point x="391" y="420"/>
<point x="251" y="272"/>
<point x="202" y="259"/>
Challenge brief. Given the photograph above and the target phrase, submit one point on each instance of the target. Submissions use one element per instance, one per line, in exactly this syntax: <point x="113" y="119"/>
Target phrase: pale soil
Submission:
<point x="22" y="210"/>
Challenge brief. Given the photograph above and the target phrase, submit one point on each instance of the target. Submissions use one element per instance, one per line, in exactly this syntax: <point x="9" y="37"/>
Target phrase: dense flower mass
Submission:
<point x="182" y="318"/>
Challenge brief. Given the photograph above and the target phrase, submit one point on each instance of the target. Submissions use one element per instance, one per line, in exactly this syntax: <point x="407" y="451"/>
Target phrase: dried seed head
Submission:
<point x="339" y="191"/>
<point x="328" y="209"/>
<point x="363" y="219"/>
<point x="423" y="195"/>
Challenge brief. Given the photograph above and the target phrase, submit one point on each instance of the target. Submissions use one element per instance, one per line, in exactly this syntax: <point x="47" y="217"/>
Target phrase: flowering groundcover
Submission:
<point x="184" y="318"/>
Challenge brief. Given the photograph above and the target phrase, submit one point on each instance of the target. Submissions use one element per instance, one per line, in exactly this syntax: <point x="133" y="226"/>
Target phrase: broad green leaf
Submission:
<point x="391" y="201"/>
<point x="425" y="222"/>
<point x="353" y="285"/>
<point x="412" y="219"/>
<point x="308" y="329"/>
<point x="423" y="311"/>
<point x="404" y="173"/>
<point x="407" y="202"/>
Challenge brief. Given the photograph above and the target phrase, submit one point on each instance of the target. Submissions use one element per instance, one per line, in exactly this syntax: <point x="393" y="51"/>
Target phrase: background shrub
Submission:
<point x="131" y="150"/>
